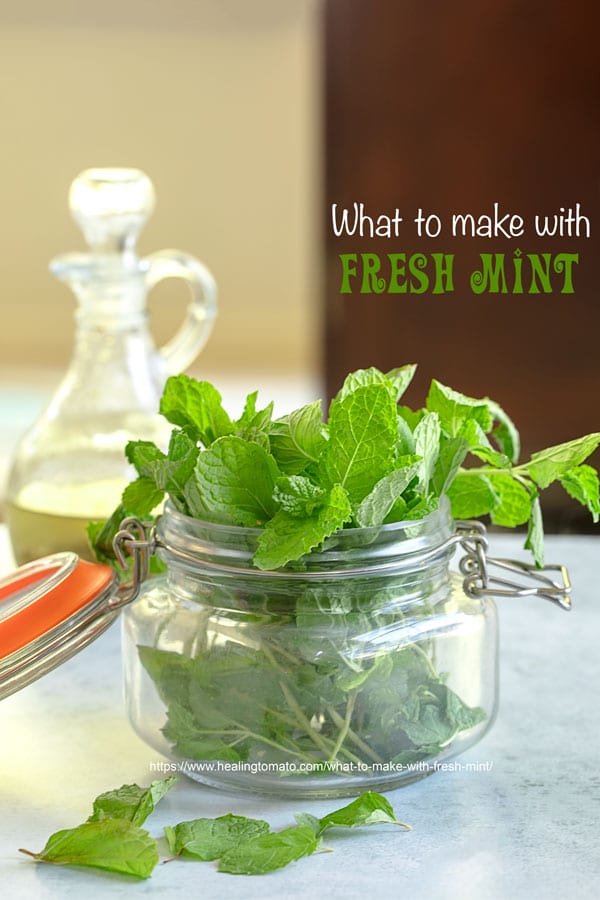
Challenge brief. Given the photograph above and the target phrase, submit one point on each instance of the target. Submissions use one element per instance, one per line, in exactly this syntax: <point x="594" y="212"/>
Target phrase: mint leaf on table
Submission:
<point x="287" y="537"/>
<point x="235" y="481"/>
<point x="297" y="439"/>
<point x="471" y="494"/>
<point x="582" y="484"/>
<point x="270" y="851"/>
<point x="195" y="406"/>
<point x="368" y="809"/>
<point x="362" y="439"/>
<point x="454" y="408"/>
<point x="549" y="465"/>
<point x="115" y="845"/>
<point x="131" y="802"/>
<point x="208" y="839"/>
<point x="376" y="506"/>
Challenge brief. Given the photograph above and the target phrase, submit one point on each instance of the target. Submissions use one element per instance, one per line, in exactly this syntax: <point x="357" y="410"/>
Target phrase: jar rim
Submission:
<point x="441" y="513"/>
<point x="193" y="541"/>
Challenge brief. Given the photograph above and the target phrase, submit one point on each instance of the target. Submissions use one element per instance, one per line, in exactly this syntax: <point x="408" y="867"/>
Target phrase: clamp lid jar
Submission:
<point x="362" y="666"/>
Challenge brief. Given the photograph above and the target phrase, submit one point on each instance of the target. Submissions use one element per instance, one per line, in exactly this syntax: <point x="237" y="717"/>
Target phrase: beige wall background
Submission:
<point x="219" y="103"/>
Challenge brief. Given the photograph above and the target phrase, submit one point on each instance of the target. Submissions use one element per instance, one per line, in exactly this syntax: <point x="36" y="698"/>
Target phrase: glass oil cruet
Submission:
<point x="70" y="467"/>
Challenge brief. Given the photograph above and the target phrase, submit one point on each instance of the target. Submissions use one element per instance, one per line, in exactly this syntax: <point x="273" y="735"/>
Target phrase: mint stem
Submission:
<point x="343" y="732"/>
<point x="352" y="736"/>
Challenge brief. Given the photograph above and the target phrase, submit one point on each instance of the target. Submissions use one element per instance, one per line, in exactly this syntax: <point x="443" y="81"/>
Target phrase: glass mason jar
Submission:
<point x="362" y="666"/>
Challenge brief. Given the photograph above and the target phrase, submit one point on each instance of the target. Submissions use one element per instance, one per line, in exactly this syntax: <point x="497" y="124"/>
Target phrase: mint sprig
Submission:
<point x="372" y="462"/>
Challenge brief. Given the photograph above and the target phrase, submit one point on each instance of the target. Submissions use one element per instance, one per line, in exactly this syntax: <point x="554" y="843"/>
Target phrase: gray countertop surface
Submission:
<point x="524" y="823"/>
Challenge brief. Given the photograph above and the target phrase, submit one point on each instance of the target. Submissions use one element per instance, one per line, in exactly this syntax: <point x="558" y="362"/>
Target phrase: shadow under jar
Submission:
<point x="360" y="667"/>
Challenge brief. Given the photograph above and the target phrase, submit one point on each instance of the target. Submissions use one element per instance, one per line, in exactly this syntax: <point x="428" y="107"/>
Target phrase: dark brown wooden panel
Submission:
<point x="452" y="107"/>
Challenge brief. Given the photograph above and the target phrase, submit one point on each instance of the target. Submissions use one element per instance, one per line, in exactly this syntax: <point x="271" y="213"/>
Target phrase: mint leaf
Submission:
<point x="396" y="381"/>
<point x="131" y="802"/>
<point x="364" y="378"/>
<point x="419" y="507"/>
<point x="410" y="416"/>
<point x="376" y="506"/>
<point x="505" y="432"/>
<point x="401" y="378"/>
<point x="451" y="456"/>
<point x="581" y="483"/>
<point x="549" y="465"/>
<point x="115" y="845"/>
<point x="297" y="439"/>
<point x="235" y="481"/>
<point x="208" y="839"/>
<point x="254" y="425"/>
<point x="286" y="537"/>
<point x="144" y="455"/>
<point x="480" y="445"/>
<point x="471" y="494"/>
<point x="406" y="439"/>
<point x="535" y="534"/>
<point x="514" y="501"/>
<point x="142" y="496"/>
<point x="196" y="406"/>
<point x="362" y="439"/>
<point x="309" y="820"/>
<point x="368" y="809"/>
<point x="271" y="851"/>
<point x="453" y="408"/>
<point x="427" y="445"/>
<point x="168" y="472"/>
<point x="298" y="496"/>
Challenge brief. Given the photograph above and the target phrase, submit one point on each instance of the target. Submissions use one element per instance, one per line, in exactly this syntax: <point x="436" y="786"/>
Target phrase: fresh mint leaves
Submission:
<point x="559" y="461"/>
<point x="363" y="433"/>
<point x="131" y="802"/>
<point x="208" y="839"/>
<point x="373" y="462"/>
<point x="287" y="536"/>
<point x="297" y="440"/>
<point x="112" y="840"/>
<point x="235" y="482"/>
<point x="195" y="406"/>
<point x="368" y="809"/>
<point x="115" y="845"/>
<point x="271" y="851"/>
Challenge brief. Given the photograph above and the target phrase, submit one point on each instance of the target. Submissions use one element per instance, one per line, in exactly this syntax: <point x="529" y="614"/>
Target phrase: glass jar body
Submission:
<point x="364" y="667"/>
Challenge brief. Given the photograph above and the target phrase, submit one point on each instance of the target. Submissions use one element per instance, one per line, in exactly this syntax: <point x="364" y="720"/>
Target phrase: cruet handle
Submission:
<point x="195" y="330"/>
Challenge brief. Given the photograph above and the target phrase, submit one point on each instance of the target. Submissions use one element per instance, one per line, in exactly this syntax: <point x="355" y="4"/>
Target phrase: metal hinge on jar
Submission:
<point x="138" y="541"/>
<point x="478" y="581"/>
